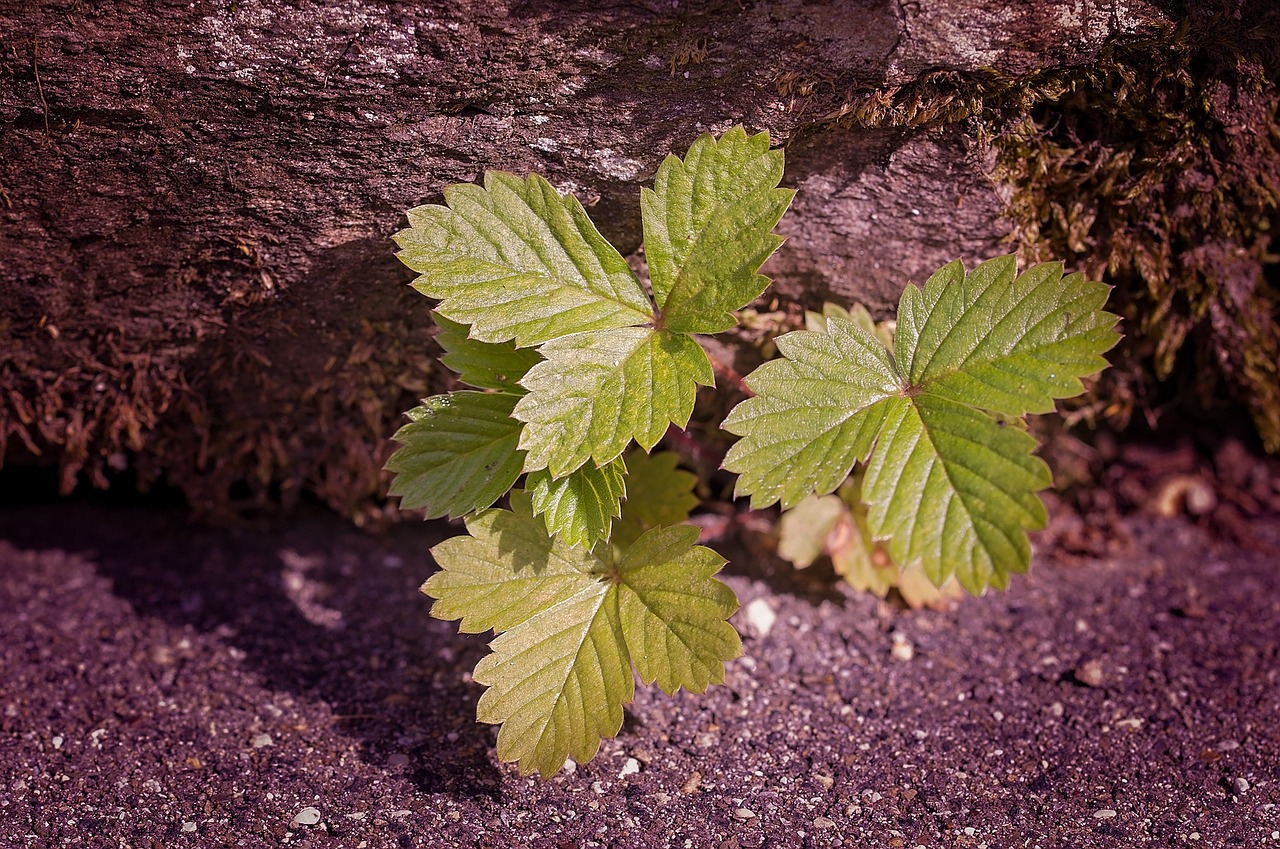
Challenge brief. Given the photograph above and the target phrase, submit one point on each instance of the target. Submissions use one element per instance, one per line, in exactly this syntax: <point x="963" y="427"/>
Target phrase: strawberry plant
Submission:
<point x="588" y="576"/>
<point x="572" y="360"/>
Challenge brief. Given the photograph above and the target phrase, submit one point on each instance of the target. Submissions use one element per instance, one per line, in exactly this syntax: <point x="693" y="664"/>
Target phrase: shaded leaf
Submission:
<point x="458" y="453"/>
<point x="658" y="493"/>
<point x="484" y="365"/>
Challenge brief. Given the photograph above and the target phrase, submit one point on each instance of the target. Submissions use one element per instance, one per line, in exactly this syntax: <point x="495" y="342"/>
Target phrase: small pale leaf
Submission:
<point x="595" y="392"/>
<point x="803" y="530"/>
<point x="457" y="454"/>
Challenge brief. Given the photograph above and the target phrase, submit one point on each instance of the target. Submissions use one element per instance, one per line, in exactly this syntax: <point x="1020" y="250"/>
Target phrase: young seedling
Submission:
<point x="938" y="416"/>
<point x="572" y="361"/>
<point x="590" y="577"/>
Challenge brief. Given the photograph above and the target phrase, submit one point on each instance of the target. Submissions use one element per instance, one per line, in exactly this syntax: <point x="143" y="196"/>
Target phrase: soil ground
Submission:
<point x="171" y="685"/>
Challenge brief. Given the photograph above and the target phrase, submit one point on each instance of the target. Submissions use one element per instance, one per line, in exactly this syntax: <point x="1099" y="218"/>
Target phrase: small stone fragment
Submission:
<point x="1241" y="785"/>
<point x="262" y="741"/>
<point x="1104" y="814"/>
<point x="631" y="767"/>
<point x="760" y="617"/>
<point x="902" y="648"/>
<point x="1089" y="673"/>
<point x="745" y="814"/>
<point x="692" y="783"/>
<point x="570" y="766"/>
<point x="307" y="816"/>
<point x="823" y="823"/>
<point x="826" y="781"/>
<point x="188" y="826"/>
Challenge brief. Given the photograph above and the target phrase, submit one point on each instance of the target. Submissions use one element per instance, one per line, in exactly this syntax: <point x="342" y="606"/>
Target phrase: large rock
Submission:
<point x="196" y="280"/>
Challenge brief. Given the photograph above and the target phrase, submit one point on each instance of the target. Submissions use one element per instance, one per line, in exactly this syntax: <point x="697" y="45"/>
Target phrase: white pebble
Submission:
<point x="760" y="617"/>
<point x="307" y="816"/>
<point x="631" y="767"/>
<point x="188" y="826"/>
<point x="262" y="741"/>
<point x="1104" y="814"/>
<point x="744" y="814"/>
<point x="1242" y="785"/>
<point x="902" y="648"/>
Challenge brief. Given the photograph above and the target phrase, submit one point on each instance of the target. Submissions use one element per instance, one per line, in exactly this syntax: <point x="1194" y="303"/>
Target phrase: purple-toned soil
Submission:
<point x="167" y="685"/>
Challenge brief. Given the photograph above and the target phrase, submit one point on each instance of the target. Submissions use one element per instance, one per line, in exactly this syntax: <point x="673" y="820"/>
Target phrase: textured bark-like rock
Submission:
<point x="196" y="279"/>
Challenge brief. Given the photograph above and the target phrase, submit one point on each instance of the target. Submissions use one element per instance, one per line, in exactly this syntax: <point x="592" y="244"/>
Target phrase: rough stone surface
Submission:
<point x="196" y="198"/>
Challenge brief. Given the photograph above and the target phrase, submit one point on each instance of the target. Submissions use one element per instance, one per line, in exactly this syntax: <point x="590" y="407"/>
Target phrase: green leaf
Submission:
<point x="516" y="260"/>
<point x="595" y="392"/>
<point x="1004" y="344"/>
<point x="557" y="682"/>
<point x="658" y="493"/>
<point x="572" y="621"/>
<point x="708" y="225"/>
<point x="816" y="413"/>
<point x="951" y="483"/>
<point x="581" y="506"/>
<point x="955" y="491"/>
<point x="673" y="611"/>
<point x="459" y="453"/>
<point x="506" y="571"/>
<point x="484" y="365"/>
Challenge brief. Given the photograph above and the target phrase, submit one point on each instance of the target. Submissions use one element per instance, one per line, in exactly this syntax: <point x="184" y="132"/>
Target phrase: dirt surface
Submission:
<point x="167" y="685"/>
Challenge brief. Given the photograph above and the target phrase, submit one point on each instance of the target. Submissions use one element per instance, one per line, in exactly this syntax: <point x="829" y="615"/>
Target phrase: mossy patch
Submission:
<point x="1156" y="168"/>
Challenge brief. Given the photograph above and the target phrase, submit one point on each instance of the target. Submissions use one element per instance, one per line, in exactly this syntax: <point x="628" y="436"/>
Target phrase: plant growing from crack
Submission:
<point x="591" y="577"/>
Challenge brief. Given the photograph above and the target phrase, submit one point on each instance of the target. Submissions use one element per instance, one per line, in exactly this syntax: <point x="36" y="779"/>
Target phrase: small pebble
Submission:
<point x="307" y="816"/>
<point x="631" y="767"/>
<point x="823" y="822"/>
<point x="1104" y="814"/>
<point x="902" y="648"/>
<point x="826" y="781"/>
<point x="570" y="766"/>
<point x="262" y="741"/>
<point x="1089" y="673"/>
<point x="692" y="783"/>
<point x="760" y="617"/>
<point x="1227" y="746"/>
<point x="188" y="826"/>
<point x="1241" y="785"/>
<point x="744" y="814"/>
